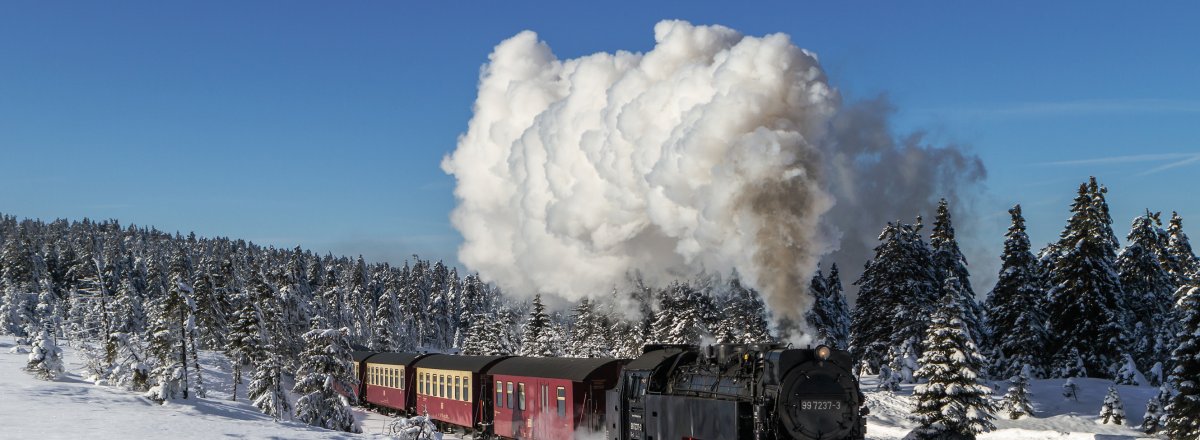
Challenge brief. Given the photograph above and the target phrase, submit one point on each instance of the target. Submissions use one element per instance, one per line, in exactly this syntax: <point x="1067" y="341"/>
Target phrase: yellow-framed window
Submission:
<point x="466" y="388"/>
<point x="457" y="387"/>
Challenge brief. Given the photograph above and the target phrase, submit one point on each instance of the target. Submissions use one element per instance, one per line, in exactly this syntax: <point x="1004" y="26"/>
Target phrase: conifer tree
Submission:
<point x="680" y="319"/>
<point x="266" y="391"/>
<point x="1183" y="420"/>
<point x="897" y="294"/>
<point x="480" y="336"/>
<point x="1156" y="415"/>
<point x="829" y="316"/>
<point x="1016" y="400"/>
<point x="1148" y="289"/>
<point x="245" y="344"/>
<point x="743" y="318"/>
<point x="1128" y="373"/>
<point x="1179" y="248"/>
<point x="1015" y="307"/>
<point x="45" y="358"/>
<point x="325" y="367"/>
<point x="172" y="329"/>
<point x="950" y="262"/>
<point x="952" y="403"/>
<point x="537" y="336"/>
<point x="385" y="322"/>
<point x="587" y="338"/>
<point x="839" y="312"/>
<point x="1084" y="312"/>
<point x="1112" y="410"/>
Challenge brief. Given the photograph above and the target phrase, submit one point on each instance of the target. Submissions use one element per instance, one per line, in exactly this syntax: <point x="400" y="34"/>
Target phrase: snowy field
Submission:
<point x="71" y="408"/>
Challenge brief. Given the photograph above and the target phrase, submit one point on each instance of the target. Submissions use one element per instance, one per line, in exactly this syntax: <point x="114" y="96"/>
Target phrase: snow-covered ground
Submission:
<point x="1056" y="416"/>
<point x="71" y="408"/>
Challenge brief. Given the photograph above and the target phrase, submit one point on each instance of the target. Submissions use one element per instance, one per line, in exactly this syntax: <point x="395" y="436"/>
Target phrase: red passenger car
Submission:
<point x="453" y="389"/>
<point x="550" y="398"/>
<point x="390" y="380"/>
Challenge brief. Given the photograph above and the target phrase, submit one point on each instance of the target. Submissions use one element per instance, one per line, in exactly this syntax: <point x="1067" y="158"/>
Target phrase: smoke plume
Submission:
<point x="712" y="152"/>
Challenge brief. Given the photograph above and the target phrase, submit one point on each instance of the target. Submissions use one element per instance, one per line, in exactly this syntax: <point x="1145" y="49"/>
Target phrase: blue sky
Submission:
<point x="323" y="124"/>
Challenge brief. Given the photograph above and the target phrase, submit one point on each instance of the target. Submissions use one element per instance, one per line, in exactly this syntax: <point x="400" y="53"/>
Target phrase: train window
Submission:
<point x="508" y="398"/>
<point x="521" y="396"/>
<point x="466" y="388"/>
<point x="442" y="386"/>
<point x="562" y="402"/>
<point x="401" y="378"/>
<point x="499" y="394"/>
<point x="457" y="388"/>
<point x="395" y="376"/>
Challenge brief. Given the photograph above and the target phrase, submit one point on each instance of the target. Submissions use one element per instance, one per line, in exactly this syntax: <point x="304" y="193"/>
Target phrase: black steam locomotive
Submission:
<point x="752" y="392"/>
<point x="671" y="392"/>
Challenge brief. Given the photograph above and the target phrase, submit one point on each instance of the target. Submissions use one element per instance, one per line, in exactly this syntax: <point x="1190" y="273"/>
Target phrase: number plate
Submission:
<point x="820" y="405"/>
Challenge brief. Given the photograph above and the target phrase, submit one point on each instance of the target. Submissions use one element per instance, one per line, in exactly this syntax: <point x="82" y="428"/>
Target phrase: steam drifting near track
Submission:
<point x="711" y="152"/>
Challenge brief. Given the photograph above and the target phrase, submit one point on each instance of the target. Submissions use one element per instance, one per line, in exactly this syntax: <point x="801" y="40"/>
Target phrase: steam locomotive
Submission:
<point x="719" y="392"/>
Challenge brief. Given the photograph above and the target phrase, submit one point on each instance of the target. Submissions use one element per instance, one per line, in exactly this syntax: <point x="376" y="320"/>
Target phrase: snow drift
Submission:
<point x="711" y="152"/>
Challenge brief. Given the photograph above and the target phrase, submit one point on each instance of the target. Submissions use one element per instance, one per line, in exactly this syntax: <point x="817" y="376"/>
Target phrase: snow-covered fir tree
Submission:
<point x="1183" y="260"/>
<point x="480" y="338"/>
<point x="172" y="330"/>
<point x="266" y="391"/>
<point x="1016" y="401"/>
<point x="1015" y="307"/>
<point x="903" y="362"/>
<point x="743" y="318"/>
<point x="1156" y="414"/>
<point x="386" y="315"/>
<point x="680" y="319"/>
<point x="898" y="292"/>
<point x="245" y="340"/>
<point x="538" y="335"/>
<point x="952" y="403"/>
<point x="1128" y="373"/>
<point x="325" y="367"/>
<point x="829" y="316"/>
<point x="587" y="335"/>
<point x="1183" y="419"/>
<point x="1084" y="307"/>
<point x="1148" y="289"/>
<point x="950" y="262"/>
<point x="1112" y="410"/>
<point x="45" y="358"/>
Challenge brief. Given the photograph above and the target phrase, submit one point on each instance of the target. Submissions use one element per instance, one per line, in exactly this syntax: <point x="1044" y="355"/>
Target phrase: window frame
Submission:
<point x="562" y="401"/>
<point x="521" y="396"/>
<point x="499" y="394"/>
<point x="508" y="395"/>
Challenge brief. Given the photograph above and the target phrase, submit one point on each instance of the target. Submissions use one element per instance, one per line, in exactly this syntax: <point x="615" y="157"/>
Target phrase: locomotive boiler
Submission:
<point x="734" y="391"/>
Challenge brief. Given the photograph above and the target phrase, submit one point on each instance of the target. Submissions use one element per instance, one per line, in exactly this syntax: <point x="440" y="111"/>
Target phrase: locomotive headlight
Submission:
<point x="823" y="353"/>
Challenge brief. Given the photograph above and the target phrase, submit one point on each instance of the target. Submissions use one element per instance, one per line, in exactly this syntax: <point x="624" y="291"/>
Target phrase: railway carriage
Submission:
<point x="359" y="357"/>
<point x="454" y="389"/>
<point x="389" y="380"/>
<point x="550" y="398"/>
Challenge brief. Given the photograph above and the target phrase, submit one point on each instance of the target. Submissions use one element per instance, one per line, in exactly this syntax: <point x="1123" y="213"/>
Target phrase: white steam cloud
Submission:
<point x="705" y="154"/>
